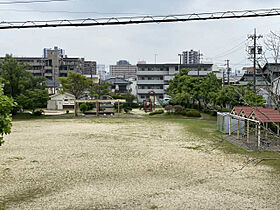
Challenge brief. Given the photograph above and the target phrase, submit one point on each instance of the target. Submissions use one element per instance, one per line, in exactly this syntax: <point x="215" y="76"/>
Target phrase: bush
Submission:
<point x="157" y="112"/>
<point x="193" y="113"/>
<point x="83" y="107"/>
<point x="178" y="108"/>
<point x="135" y="105"/>
<point x="169" y="108"/>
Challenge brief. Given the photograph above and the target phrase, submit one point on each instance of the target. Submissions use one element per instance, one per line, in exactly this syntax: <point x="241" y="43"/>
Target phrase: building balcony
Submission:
<point x="146" y="91"/>
<point x="149" y="73"/>
<point x="150" y="82"/>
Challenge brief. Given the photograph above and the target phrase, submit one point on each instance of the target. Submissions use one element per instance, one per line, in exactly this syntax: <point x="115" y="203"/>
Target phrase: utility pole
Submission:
<point x="228" y="72"/>
<point x="156" y="58"/>
<point x="180" y="55"/>
<point x="200" y="57"/>
<point x="253" y="51"/>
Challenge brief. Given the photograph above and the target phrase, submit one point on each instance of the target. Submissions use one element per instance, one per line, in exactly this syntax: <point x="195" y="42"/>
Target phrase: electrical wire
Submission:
<point x="230" y="51"/>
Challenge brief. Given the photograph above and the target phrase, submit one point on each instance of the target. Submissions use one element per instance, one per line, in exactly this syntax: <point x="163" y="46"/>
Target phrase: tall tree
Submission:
<point x="14" y="76"/>
<point x="99" y="89"/>
<point x="76" y="84"/>
<point x="6" y="106"/>
<point x="33" y="99"/>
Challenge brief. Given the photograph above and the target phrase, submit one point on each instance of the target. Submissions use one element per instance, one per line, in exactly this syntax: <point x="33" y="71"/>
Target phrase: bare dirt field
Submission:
<point x="126" y="164"/>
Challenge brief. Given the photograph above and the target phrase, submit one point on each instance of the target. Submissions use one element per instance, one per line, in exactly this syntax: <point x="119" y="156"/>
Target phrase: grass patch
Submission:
<point x="206" y="128"/>
<point x="193" y="148"/>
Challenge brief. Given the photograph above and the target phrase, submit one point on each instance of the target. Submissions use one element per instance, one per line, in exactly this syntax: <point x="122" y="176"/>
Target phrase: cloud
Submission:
<point x="136" y="42"/>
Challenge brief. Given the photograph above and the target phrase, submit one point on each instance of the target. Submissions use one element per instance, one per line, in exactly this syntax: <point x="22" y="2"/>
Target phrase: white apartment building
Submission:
<point x="156" y="77"/>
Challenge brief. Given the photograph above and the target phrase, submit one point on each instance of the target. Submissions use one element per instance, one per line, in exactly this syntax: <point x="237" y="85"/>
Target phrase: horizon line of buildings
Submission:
<point x="140" y="79"/>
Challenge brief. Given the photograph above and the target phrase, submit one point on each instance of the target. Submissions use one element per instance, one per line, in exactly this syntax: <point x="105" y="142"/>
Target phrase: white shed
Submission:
<point x="61" y="101"/>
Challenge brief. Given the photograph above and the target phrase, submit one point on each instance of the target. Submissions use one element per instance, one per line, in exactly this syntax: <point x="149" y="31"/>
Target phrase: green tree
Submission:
<point x="84" y="107"/>
<point x="16" y="79"/>
<point x="129" y="97"/>
<point x="76" y="84"/>
<point x="6" y="106"/>
<point x="210" y="87"/>
<point x="33" y="99"/>
<point x="99" y="89"/>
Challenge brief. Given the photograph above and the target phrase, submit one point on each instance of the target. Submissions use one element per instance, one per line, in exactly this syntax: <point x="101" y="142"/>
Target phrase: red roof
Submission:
<point x="261" y="114"/>
<point x="237" y="109"/>
<point x="266" y="115"/>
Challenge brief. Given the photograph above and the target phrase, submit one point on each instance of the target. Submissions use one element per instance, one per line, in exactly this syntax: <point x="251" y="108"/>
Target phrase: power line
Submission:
<point x="140" y="19"/>
<point x="230" y="51"/>
<point x="29" y="2"/>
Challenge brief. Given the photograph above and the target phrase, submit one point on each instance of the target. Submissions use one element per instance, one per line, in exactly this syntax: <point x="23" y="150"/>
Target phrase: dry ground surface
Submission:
<point x="145" y="163"/>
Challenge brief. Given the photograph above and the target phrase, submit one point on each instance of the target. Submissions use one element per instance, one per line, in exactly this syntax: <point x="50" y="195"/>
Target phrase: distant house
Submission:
<point x="119" y="85"/>
<point x="261" y="82"/>
<point x="265" y="94"/>
<point x="61" y="101"/>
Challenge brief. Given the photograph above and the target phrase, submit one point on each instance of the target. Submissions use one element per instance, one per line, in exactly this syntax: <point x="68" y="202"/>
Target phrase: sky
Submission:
<point x="217" y="40"/>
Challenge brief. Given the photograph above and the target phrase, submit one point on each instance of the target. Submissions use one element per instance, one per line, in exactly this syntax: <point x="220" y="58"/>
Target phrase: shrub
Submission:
<point x="193" y="113"/>
<point x="168" y="108"/>
<point x="67" y="111"/>
<point x="157" y="112"/>
<point x="135" y="106"/>
<point x="83" y="107"/>
<point x="178" y="108"/>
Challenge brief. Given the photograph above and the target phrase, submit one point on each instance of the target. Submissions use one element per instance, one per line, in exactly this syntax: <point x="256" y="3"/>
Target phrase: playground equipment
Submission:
<point x="150" y="104"/>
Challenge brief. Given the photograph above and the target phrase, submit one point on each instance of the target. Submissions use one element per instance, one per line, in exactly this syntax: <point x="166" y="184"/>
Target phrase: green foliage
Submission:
<point x="16" y="79"/>
<point x="38" y="113"/>
<point x="191" y="91"/>
<point x="190" y="113"/>
<point x="161" y="111"/>
<point x="129" y="97"/>
<point x="6" y="106"/>
<point x="98" y="90"/>
<point x="83" y="107"/>
<point x="75" y="83"/>
<point x="33" y="99"/>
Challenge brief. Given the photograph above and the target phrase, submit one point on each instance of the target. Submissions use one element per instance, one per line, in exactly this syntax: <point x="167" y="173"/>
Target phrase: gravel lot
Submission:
<point x="125" y="164"/>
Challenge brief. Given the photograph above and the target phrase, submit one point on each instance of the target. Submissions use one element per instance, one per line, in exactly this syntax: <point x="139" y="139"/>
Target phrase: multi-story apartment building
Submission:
<point x="191" y="57"/>
<point x="123" y="69"/>
<point x="89" y="68"/>
<point x="55" y="64"/>
<point x="101" y="71"/>
<point x="155" y="77"/>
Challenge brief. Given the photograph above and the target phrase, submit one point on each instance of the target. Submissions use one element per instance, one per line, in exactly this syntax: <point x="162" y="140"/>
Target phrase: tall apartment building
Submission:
<point x="89" y="68"/>
<point x="55" y="64"/>
<point x="156" y="77"/>
<point x="101" y="71"/>
<point x="191" y="57"/>
<point x="123" y="69"/>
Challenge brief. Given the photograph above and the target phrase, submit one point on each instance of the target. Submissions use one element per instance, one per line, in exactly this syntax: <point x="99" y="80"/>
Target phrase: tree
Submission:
<point x="16" y="79"/>
<point x="33" y="99"/>
<point x="183" y="89"/>
<point x="6" y="107"/>
<point x="272" y="45"/>
<point x="84" y="107"/>
<point x="76" y="84"/>
<point x="129" y="97"/>
<point x="98" y="90"/>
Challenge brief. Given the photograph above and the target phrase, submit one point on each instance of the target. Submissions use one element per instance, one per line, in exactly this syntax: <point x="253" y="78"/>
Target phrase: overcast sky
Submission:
<point x="107" y="44"/>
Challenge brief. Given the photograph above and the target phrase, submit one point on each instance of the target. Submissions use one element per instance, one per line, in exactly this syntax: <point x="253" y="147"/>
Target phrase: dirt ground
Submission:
<point x="125" y="164"/>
